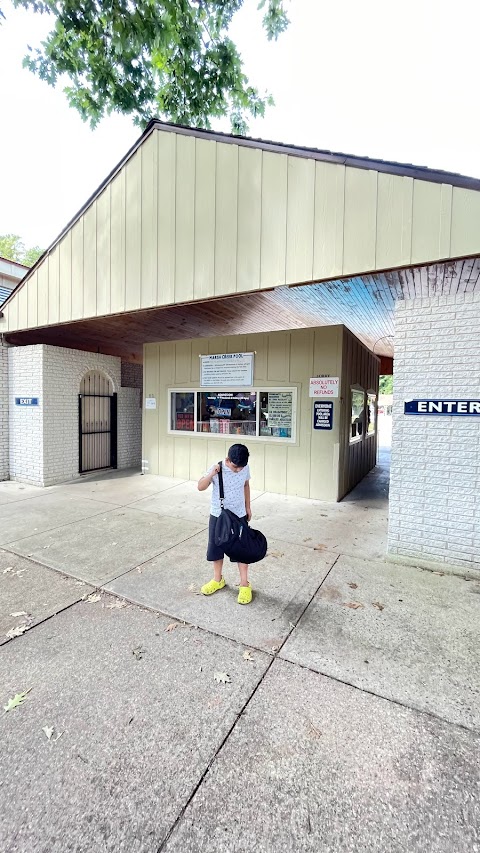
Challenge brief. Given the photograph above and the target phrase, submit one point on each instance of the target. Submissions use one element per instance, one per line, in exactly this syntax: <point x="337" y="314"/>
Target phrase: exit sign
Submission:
<point x="26" y="401"/>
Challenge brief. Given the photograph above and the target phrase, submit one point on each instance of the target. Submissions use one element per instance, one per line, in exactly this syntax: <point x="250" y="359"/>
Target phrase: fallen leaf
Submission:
<point x="93" y="598"/>
<point x="16" y="701"/>
<point x="275" y="554"/>
<point x="378" y="605"/>
<point x="222" y="678"/>
<point x="19" y="613"/>
<point x="319" y="547"/>
<point x="138" y="652"/>
<point x="48" y="731"/>
<point x="313" y="729"/>
<point x="171" y="627"/>
<point x="353" y="585"/>
<point x="116" y="605"/>
<point x="17" y="631"/>
<point x="354" y="605"/>
<point x="247" y="655"/>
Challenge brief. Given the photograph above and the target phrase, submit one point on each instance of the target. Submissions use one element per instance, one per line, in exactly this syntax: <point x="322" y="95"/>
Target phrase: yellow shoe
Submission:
<point x="212" y="586"/>
<point x="245" y="594"/>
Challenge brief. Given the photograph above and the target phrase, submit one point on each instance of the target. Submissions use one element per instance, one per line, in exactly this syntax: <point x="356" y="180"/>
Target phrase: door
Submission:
<point x="97" y="420"/>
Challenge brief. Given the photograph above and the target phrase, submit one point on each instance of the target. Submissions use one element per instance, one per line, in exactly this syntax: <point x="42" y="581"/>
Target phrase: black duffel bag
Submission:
<point x="238" y="540"/>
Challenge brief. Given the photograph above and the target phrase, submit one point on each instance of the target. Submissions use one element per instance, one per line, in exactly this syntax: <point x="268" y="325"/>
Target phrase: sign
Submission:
<point x="324" y="386"/>
<point x="231" y="369"/>
<point x="322" y="415"/>
<point x="150" y="403"/>
<point x="469" y="408"/>
<point x="26" y="401"/>
<point x="280" y="406"/>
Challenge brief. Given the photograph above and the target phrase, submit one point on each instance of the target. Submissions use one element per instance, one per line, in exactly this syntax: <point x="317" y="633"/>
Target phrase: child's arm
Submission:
<point x="205" y="482"/>
<point x="247" y="500"/>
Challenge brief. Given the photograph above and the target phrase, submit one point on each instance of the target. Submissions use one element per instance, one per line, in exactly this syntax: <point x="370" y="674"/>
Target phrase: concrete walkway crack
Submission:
<point x="239" y="717"/>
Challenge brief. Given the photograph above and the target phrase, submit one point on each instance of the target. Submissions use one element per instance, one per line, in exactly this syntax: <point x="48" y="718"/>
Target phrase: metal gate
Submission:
<point x="97" y="423"/>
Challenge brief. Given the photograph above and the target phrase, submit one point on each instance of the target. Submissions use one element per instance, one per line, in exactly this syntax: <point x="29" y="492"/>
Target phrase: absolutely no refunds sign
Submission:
<point x="442" y="407"/>
<point x="324" y="386"/>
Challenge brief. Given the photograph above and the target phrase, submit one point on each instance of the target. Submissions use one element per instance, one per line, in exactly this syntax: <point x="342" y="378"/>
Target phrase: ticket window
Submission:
<point x="357" y="425"/>
<point x="232" y="412"/>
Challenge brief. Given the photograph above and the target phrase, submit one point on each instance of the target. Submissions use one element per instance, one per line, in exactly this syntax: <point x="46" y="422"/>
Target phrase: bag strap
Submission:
<point x="220" y="485"/>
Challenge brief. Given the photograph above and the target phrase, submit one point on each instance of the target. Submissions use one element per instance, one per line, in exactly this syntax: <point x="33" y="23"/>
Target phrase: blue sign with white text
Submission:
<point x="26" y="401"/>
<point x="467" y="408"/>
<point x="322" y="415"/>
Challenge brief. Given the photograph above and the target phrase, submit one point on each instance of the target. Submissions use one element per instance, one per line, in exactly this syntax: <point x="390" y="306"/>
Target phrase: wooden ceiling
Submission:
<point x="365" y="304"/>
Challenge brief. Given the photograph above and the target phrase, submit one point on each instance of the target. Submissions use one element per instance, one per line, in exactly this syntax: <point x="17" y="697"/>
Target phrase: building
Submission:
<point x="205" y="256"/>
<point x="11" y="272"/>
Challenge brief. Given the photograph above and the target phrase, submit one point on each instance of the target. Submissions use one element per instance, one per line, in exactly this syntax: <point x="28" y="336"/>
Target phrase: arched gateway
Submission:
<point x="97" y="422"/>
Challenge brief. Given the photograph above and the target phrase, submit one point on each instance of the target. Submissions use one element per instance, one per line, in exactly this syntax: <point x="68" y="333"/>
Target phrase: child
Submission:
<point x="236" y="487"/>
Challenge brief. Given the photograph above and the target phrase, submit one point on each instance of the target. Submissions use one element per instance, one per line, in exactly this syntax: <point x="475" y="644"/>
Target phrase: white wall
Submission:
<point x="435" y="478"/>
<point x="25" y="378"/>
<point x="4" y="467"/>
<point x="44" y="439"/>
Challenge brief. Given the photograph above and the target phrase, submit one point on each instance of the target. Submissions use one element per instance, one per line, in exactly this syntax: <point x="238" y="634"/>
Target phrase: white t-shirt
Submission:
<point x="233" y="489"/>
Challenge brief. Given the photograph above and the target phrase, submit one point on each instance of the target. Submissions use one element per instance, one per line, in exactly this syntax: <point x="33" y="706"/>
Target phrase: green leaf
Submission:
<point x="169" y="56"/>
<point x="17" y="700"/>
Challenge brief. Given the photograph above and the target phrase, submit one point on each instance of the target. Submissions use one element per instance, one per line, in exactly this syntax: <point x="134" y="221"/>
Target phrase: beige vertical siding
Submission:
<point x="394" y="221"/>
<point x="329" y="220"/>
<point x="77" y="272"/>
<point x="226" y="219"/>
<point x="204" y="222"/>
<point x="286" y="359"/>
<point x="360" y="369"/>
<point x="249" y="218"/>
<point x="66" y="275"/>
<point x="32" y="305"/>
<point x="117" y="243"/>
<point x="189" y="218"/>
<point x="149" y="225"/>
<point x="133" y="232"/>
<point x="273" y="244"/>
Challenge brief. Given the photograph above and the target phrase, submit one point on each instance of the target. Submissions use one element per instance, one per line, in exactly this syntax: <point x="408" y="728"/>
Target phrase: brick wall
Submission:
<point x="435" y="480"/>
<point x="25" y="375"/>
<point x="129" y="428"/>
<point x="132" y="375"/>
<point x="4" y="466"/>
<point x="44" y="441"/>
<point x="63" y="371"/>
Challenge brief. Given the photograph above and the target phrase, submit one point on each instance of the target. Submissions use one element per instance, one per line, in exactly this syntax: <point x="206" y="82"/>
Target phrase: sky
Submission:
<point x="390" y="81"/>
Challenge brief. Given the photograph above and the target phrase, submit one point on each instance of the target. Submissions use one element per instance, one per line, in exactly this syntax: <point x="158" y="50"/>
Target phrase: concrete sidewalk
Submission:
<point x="340" y="711"/>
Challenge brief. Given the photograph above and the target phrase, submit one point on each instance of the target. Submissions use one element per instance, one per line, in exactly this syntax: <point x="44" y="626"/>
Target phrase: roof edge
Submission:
<point x="392" y="167"/>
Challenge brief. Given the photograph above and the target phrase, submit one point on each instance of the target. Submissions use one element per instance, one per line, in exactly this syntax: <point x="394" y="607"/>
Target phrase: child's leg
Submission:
<point x="215" y="556"/>
<point x="217" y="569"/>
<point x="245" y="591"/>
<point x="243" y="569"/>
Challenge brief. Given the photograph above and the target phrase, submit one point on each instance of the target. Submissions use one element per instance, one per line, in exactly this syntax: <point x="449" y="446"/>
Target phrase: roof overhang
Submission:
<point x="365" y="304"/>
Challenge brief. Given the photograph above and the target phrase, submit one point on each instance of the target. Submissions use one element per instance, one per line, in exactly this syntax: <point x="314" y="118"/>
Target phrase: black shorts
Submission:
<point x="215" y="552"/>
